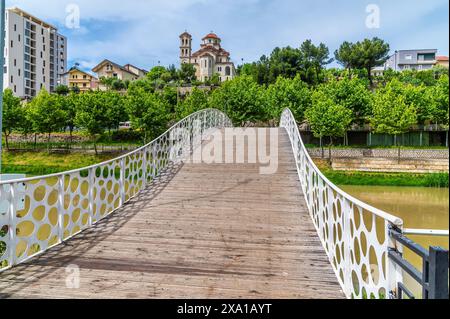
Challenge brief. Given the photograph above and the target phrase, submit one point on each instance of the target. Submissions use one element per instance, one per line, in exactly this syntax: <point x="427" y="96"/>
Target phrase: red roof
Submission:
<point x="211" y="36"/>
<point x="442" y="58"/>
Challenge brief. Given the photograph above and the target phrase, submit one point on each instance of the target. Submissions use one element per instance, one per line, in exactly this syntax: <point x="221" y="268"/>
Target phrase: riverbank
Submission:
<point x="43" y="163"/>
<point x="382" y="179"/>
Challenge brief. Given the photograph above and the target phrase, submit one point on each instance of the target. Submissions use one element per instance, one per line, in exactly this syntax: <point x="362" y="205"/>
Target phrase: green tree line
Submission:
<point x="331" y="101"/>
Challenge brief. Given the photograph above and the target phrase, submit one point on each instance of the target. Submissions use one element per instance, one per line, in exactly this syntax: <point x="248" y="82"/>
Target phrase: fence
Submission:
<point x="381" y="153"/>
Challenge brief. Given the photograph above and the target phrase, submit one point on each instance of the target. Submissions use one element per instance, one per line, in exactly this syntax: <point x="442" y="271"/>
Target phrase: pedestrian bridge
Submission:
<point x="159" y="223"/>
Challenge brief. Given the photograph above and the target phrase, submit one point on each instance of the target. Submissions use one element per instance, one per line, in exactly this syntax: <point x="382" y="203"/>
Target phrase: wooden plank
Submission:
<point x="208" y="231"/>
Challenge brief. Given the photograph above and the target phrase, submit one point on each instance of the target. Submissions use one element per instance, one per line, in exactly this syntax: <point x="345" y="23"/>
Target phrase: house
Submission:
<point x="109" y="69"/>
<point x="209" y="60"/>
<point x="442" y="61"/>
<point x="35" y="54"/>
<point x="412" y="60"/>
<point x="79" y="78"/>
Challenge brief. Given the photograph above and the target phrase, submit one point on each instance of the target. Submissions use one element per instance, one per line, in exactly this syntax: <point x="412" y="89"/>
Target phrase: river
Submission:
<point x="419" y="207"/>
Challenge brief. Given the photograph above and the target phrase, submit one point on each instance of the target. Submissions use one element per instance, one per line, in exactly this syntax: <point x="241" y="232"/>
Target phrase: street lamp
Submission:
<point x="2" y="63"/>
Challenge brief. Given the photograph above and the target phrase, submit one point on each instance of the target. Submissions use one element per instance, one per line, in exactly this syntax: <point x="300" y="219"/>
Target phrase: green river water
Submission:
<point x="419" y="207"/>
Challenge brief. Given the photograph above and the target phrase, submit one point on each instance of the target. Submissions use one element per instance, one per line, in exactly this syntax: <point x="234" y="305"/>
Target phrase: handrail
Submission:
<point x="426" y="232"/>
<point x="114" y="159"/>
<point x="38" y="213"/>
<point x="355" y="235"/>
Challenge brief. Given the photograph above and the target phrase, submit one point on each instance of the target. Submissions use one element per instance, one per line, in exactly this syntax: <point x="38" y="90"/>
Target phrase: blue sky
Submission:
<point x="143" y="32"/>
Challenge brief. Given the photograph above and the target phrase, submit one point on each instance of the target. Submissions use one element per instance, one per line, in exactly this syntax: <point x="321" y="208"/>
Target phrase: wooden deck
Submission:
<point x="200" y="231"/>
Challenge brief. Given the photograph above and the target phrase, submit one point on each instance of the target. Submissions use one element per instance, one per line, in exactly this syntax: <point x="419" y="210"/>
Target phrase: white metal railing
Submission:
<point x="354" y="234"/>
<point x="38" y="213"/>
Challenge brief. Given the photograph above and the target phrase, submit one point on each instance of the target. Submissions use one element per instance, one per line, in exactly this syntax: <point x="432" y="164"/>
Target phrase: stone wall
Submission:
<point x="391" y="165"/>
<point x="382" y="153"/>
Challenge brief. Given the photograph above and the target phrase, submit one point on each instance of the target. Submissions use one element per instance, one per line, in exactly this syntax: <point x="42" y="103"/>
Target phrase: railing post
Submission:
<point x="12" y="226"/>
<point x="144" y="168"/>
<point x="438" y="273"/>
<point x="122" y="182"/>
<point x="91" y="195"/>
<point x="61" y="208"/>
<point x="347" y="212"/>
<point x="394" y="273"/>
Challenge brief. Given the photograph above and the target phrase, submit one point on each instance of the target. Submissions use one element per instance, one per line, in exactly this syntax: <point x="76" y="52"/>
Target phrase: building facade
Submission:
<point x="79" y="79"/>
<point x="35" y="54"/>
<point x="442" y="61"/>
<point x="209" y="60"/>
<point x="412" y="60"/>
<point x="109" y="69"/>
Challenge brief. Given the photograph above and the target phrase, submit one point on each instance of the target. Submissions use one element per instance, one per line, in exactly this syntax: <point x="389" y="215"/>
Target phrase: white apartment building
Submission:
<point x="35" y="54"/>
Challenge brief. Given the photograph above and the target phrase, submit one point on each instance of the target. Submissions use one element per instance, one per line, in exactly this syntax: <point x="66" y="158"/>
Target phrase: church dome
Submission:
<point x="211" y="36"/>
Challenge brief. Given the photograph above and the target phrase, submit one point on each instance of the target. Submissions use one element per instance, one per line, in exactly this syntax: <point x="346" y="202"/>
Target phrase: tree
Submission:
<point x="186" y="74"/>
<point x="13" y="114"/>
<point x="440" y="96"/>
<point x="365" y="54"/>
<point x="107" y="82"/>
<point x="314" y="59"/>
<point x="288" y="93"/>
<point x="242" y="99"/>
<point x="118" y="85"/>
<point x="371" y="53"/>
<point x="391" y="112"/>
<point x="197" y="100"/>
<point x="69" y="105"/>
<point x="62" y="90"/>
<point x="345" y="56"/>
<point x="115" y="109"/>
<point x="148" y="112"/>
<point x="47" y="114"/>
<point x="92" y="115"/>
<point x="327" y="118"/>
<point x="352" y="94"/>
<point x="75" y="89"/>
<point x="156" y="73"/>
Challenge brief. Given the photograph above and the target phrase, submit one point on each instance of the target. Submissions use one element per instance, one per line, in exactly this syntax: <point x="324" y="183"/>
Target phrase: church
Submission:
<point x="210" y="59"/>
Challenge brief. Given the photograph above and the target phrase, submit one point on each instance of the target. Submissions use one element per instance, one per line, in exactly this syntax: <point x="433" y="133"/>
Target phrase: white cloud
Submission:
<point x="144" y="32"/>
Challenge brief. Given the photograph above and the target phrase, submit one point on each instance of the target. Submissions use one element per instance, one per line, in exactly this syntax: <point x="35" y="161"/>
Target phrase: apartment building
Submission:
<point x="412" y="60"/>
<point x="35" y="54"/>
<point x="77" y="78"/>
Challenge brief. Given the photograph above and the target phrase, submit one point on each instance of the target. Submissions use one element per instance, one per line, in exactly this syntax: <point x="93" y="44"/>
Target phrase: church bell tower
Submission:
<point x="185" y="47"/>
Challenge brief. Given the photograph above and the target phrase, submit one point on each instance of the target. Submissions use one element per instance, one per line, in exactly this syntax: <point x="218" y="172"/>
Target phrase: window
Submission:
<point x="84" y="76"/>
<point x="227" y="71"/>
<point x="84" y="84"/>
<point x="408" y="57"/>
<point x="42" y="55"/>
<point x="15" y="27"/>
<point x="12" y="43"/>
<point x="18" y="37"/>
<point x="15" y="88"/>
<point x="12" y="79"/>
<point x="18" y="72"/>
<point x="15" y="62"/>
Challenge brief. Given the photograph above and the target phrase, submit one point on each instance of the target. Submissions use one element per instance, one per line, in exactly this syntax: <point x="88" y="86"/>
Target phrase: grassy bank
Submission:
<point x="42" y="163"/>
<point x="383" y="179"/>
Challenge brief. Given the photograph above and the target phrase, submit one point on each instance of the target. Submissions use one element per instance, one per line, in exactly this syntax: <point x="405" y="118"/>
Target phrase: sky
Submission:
<point x="146" y="32"/>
